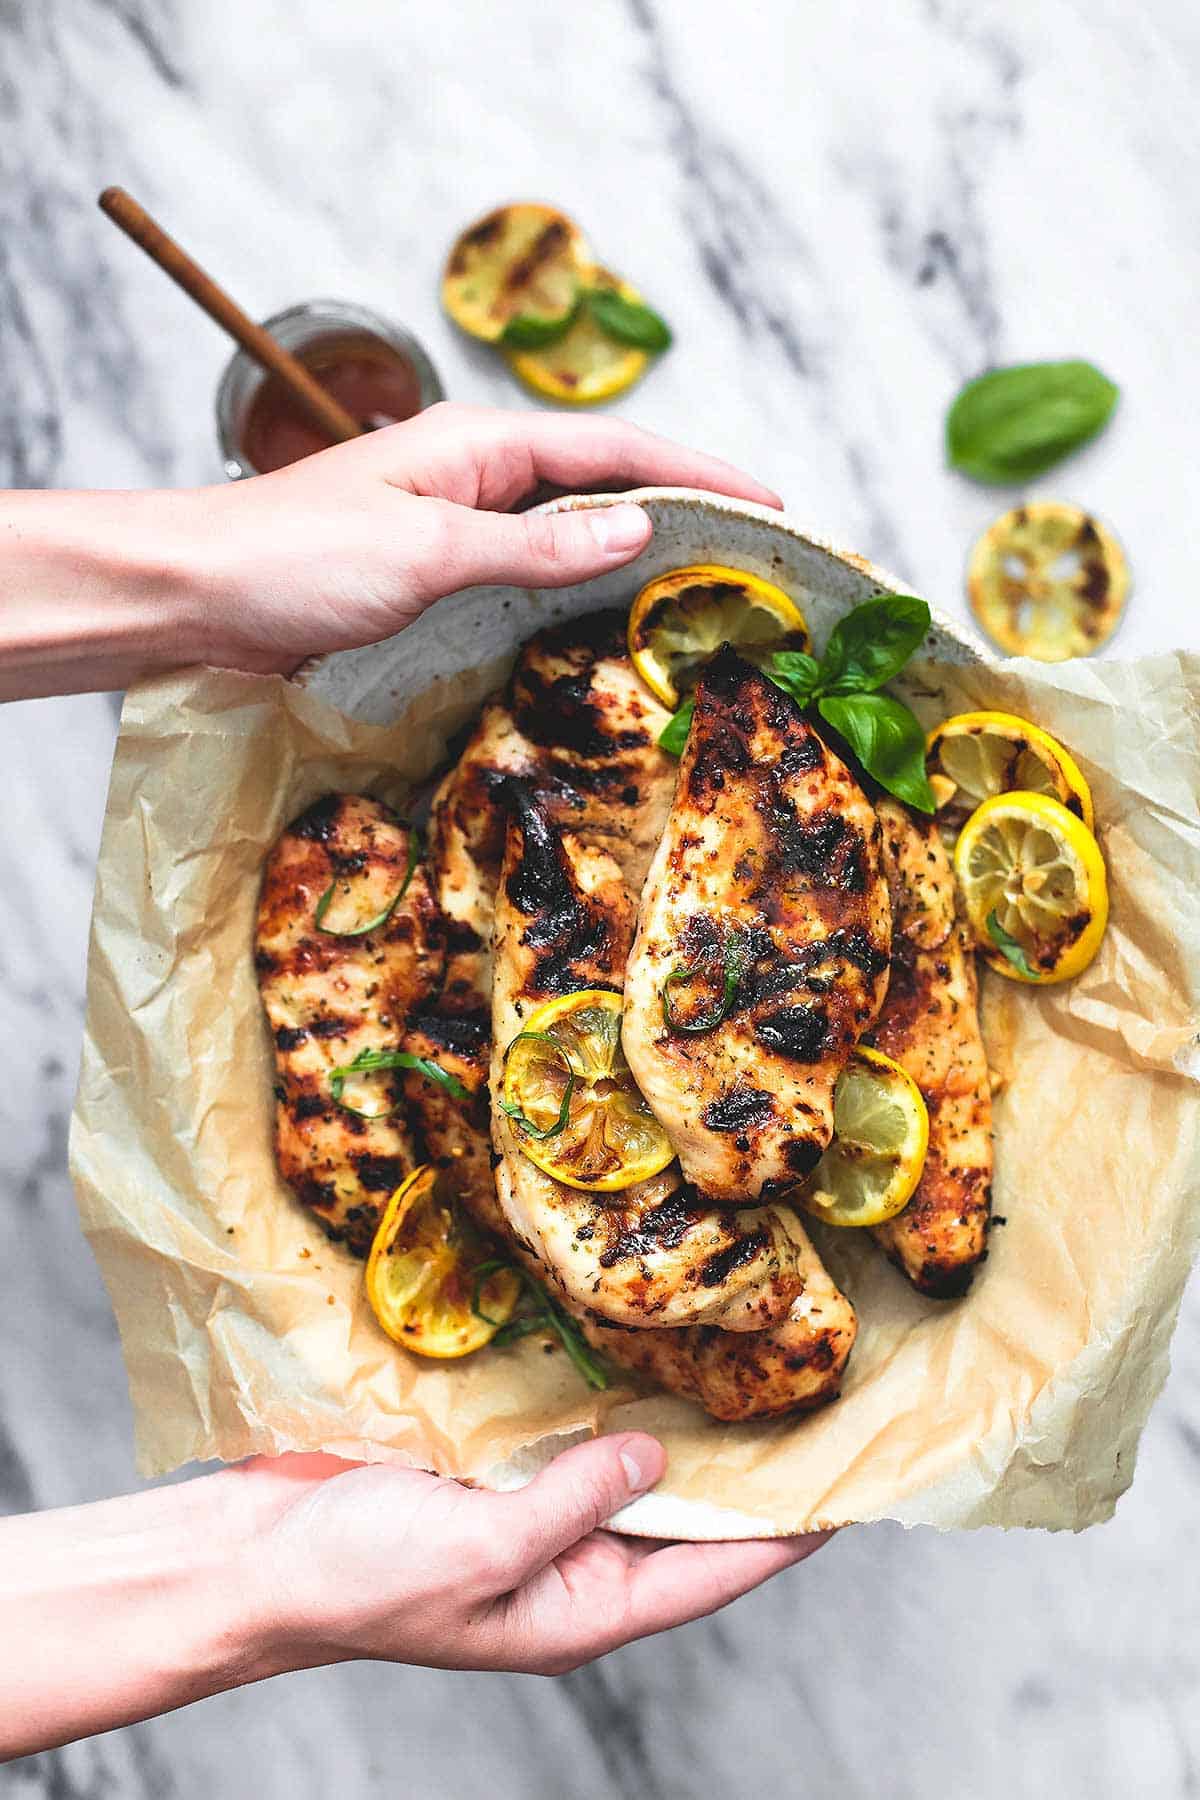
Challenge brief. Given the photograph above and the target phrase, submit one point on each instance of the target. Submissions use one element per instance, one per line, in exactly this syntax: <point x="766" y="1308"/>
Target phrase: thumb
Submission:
<point x="537" y="549"/>
<point x="576" y="1493"/>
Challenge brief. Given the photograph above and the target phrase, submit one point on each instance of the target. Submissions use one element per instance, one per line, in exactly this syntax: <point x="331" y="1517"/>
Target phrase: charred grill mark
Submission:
<point x="802" y="758"/>
<point x="478" y="238"/>
<point x="800" y="1033"/>
<point x="379" y="1174"/>
<point x="562" y="931"/>
<point x="331" y="1027"/>
<point x="717" y="1269"/>
<point x="466" y="1032"/>
<point x="822" y="848"/>
<point x="318" y="822"/>
<point x="726" y="752"/>
<point x="540" y="885"/>
<point x="858" y="948"/>
<point x="802" y="1155"/>
<point x="310" y="1106"/>
<point x="545" y="246"/>
<point x="662" y="1227"/>
<point x="290" y="1037"/>
<point x="738" y="1108"/>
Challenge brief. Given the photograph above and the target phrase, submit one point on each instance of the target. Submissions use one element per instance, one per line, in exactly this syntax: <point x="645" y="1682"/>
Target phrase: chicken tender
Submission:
<point x="328" y="997"/>
<point x="763" y="941"/>
<point x="930" y="1025"/>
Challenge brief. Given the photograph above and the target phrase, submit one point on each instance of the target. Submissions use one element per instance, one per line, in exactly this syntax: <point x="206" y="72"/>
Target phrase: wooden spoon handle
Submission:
<point x="174" y="261"/>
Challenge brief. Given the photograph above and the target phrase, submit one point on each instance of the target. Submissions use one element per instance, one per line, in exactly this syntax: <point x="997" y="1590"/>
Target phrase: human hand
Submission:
<point x="377" y="1561"/>
<point x="349" y="546"/>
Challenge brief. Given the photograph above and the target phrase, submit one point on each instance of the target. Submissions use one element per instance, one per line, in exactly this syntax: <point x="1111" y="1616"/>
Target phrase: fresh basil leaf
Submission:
<point x="532" y="331"/>
<point x="872" y="644"/>
<point x="1013" y="423"/>
<point x="628" y="321"/>
<point x="795" y="672"/>
<point x="369" y="1060"/>
<point x="887" y="740"/>
<point x="1009" y="947"/>
<point x="674" y="734"/>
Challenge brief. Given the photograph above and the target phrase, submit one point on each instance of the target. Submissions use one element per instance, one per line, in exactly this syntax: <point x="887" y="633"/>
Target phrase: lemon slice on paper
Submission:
<point x="421" y="1274"/>
<point x="978" y="754"/>
<point x="1034" y="886"/>
<point x="880" y="1136"/>
<point x="585" y="365"/>
<point x="572" y="1102"/>
<point x="679" y="620"/>
<point x="1048" y="580"/>
<point x="523" y="261"/>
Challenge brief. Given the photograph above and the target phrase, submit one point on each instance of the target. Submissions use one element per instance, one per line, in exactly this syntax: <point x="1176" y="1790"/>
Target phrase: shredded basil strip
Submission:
<point x="736" y="958"/>
<point x="542" y="1313"/>
<point x="368" y="1060"/>
<point x="324" y="903"/>
<point x="1008" y="946"/>
<point x="564" y="1111"/>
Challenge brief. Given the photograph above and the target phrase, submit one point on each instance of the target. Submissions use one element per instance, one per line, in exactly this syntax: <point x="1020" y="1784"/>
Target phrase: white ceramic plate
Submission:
<point x="442" y="650"/>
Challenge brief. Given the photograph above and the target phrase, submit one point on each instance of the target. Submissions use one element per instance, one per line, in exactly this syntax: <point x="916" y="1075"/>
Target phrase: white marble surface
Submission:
<point x="844" y="210"/>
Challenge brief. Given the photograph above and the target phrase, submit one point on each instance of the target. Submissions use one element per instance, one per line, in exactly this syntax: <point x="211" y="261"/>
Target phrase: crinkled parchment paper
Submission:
<point x="244" y="1330"/>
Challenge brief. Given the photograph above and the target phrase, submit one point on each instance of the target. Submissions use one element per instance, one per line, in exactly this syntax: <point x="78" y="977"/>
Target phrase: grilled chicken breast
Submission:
<point x="930" y="1025"/>
<point x="794" y="1366"/>
<point x="762" y="947"/>
<point x="328" y="997"/>
<point x="652" y="1254"/>
<point x="582" y="732"/>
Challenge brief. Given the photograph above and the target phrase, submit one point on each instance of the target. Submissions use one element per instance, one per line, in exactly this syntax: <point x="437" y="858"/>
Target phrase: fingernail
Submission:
<point x="619" y="528"/>
<point x="643" y="1460"/>
<point x="634" y="1473"/>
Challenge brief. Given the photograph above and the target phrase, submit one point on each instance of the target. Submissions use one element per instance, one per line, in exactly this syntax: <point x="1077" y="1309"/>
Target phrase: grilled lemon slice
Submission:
<point x="977" y="754"/>
<point x="880" y="1137"/>
<point x="421" y="1280"/>
<point x="573" y="1104"/>
<point x="1034" y="886"/>
<point x="523" y="261"/>
<point x="680" y="619"/>
<point x="1048" y="580"/>
<point x="585" y="365"/>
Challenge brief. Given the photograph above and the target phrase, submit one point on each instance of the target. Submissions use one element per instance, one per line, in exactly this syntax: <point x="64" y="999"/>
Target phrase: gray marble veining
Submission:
<point x="844" y="211"/>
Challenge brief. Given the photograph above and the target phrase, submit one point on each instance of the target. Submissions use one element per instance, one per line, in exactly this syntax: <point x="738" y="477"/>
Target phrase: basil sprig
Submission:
<point x="513" y="1112"/>
<point x="626" y="321"/>
<point x="737" y="955"/>
<point x="538" y="1311"/>
<point x="1011" y="424"/>
<point x="381" y="918"/>
<point x="1008" y="946"/>
<point x="866" y="648"/>
<point x="369" y="1060"/>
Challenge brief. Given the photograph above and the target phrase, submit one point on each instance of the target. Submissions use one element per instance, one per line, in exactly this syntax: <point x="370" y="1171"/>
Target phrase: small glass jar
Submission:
<point x="340" y="344"/>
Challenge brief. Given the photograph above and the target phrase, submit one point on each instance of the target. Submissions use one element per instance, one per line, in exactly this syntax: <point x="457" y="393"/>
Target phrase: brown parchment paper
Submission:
<point x="244" y="1330"/>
